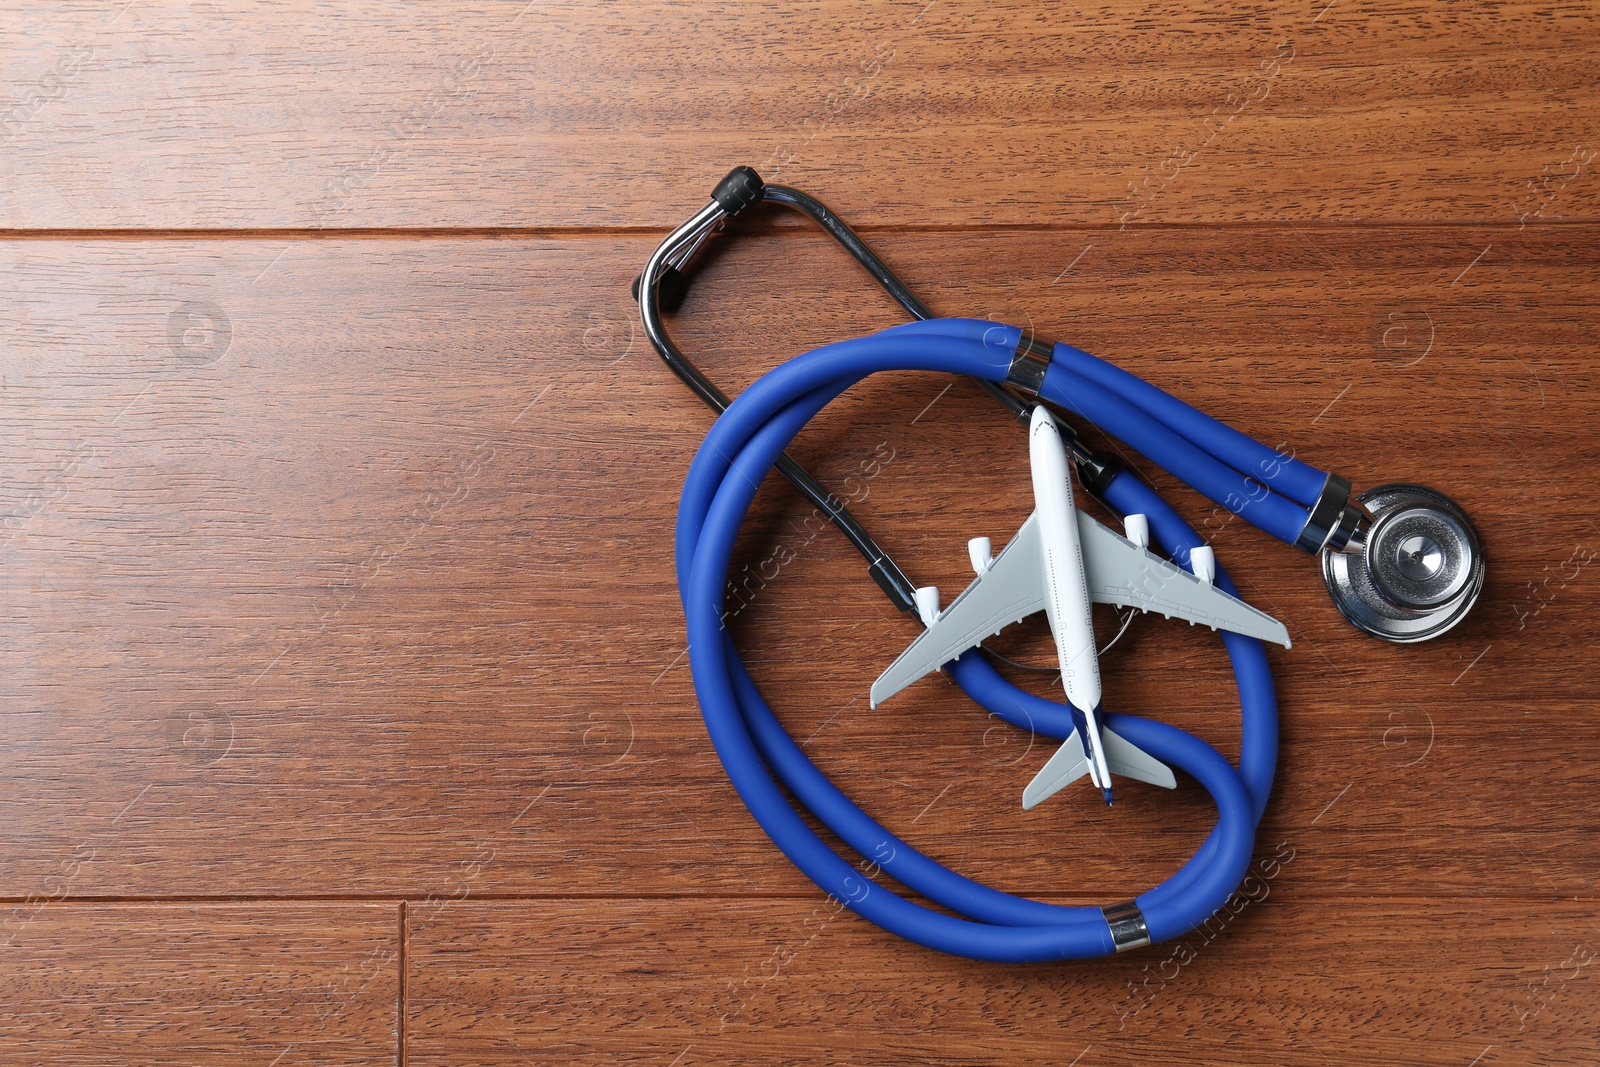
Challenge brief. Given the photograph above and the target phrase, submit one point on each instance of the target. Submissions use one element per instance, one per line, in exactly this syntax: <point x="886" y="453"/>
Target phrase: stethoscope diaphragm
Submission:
<point x="1413" y="571"/>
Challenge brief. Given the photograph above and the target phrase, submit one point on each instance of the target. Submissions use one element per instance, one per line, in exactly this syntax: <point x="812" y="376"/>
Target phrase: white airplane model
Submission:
<point x="1062" y="560"/>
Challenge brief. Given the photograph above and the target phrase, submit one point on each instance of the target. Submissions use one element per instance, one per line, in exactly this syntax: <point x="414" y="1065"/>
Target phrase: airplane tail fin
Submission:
<point x="1071" y="763"/>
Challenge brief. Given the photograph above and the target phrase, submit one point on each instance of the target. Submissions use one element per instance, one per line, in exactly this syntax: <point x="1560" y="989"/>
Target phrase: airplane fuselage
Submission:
<point x="1067" y="603"/>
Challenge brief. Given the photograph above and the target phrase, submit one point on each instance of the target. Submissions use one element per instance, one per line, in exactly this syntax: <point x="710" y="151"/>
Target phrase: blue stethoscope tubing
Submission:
<point x="761" y="759"/>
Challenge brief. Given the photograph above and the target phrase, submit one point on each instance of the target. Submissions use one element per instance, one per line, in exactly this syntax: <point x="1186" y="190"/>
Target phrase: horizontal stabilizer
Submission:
<point x="1069" y="764"/>
<point x="1131" y="761"/>
<point x="1062" y="769"/>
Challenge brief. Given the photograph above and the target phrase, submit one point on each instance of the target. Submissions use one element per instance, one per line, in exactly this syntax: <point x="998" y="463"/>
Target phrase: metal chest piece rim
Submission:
<point x="1413" y="571"/>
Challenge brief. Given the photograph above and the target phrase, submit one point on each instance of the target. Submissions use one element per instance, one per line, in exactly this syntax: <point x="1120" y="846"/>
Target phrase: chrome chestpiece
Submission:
<point x="1412" y="570"/>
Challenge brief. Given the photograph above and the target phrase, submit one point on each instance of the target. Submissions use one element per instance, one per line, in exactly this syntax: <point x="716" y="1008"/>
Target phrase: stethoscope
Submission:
<point x="1401" y="561"/>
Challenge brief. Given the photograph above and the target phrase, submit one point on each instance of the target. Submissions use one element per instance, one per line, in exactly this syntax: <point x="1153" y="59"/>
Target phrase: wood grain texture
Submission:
<point x="337" y="486"/>
<point x="270" y="114"/>
<point x="198" y="984"/>
<point x="658" y="981"/>
<point x="331" y="646"/>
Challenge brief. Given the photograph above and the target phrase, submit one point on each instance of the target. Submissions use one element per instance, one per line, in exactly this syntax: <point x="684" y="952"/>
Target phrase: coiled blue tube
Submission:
<point x="759" y="755"/>
<point x="1281" y="473"/>
<point x="1277" y="515"/>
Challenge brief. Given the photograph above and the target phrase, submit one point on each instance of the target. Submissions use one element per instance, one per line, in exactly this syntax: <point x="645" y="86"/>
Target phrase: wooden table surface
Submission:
<point x="346" y="711"/>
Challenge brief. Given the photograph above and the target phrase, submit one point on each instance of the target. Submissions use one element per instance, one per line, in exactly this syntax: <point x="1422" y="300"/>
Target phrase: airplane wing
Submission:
<point x="1119" y="572"/>
<point x="1009" y="591"/>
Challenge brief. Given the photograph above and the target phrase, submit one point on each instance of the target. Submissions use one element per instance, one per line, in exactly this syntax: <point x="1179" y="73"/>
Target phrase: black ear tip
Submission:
<point x="741" y="188"/>
<point x="671" y="290"/>
<point x="674" y="287"/>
